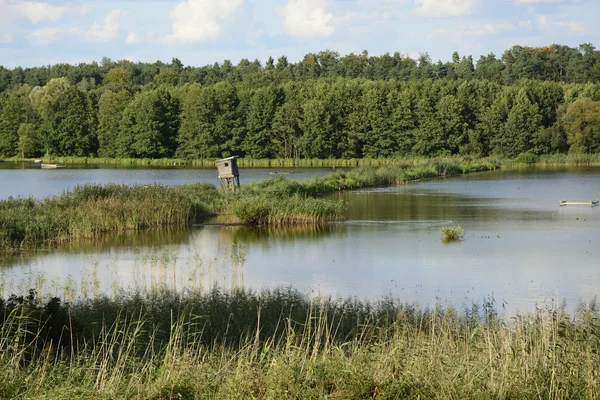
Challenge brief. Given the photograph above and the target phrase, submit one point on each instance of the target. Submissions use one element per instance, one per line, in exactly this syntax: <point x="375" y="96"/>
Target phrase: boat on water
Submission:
<point x="592" y="203"/>
<point x="52" y="166"/>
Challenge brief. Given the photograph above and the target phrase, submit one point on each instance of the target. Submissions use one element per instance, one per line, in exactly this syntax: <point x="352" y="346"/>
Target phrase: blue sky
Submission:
<point x="200" y="32"/>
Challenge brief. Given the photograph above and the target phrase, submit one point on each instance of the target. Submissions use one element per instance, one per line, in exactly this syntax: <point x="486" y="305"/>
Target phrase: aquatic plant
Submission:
<point x="452" y="232"/>
<point x="294" y="210"/>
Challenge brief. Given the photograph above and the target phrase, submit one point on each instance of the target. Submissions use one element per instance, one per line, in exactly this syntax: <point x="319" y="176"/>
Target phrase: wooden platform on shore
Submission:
<point x="592" y="203"/>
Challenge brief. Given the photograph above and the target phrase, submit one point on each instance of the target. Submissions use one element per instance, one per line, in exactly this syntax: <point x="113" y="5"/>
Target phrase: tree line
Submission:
<point x="537" y="100"/>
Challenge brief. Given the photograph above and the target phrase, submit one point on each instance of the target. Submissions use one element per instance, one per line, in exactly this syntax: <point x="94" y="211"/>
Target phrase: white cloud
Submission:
<point x="41" y="37"/>
<point x="435" y="34"/>
<point x="6" y="37"/>
<point x="525" y="25"/>
<point x="108" y="30"/>
<point x="483" y="30"/>
<point x="200" y="20"/>
<point x="37" y="11"/>
<point x="307" y="19"/>
<point x="445" y="8"/>
<point x="133" y="38"/>
<point x="562" y="26"/>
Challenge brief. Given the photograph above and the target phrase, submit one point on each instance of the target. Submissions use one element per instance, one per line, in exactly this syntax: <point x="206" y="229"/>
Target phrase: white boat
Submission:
<point x="52" y="166"/>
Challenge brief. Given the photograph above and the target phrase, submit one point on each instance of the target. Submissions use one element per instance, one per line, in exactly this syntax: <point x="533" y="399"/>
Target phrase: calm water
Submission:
<point x="520" y="247"/>
<point x="20" y="179"/>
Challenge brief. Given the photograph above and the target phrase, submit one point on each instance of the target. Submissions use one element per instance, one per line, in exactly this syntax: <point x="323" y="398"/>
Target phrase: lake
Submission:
<point x="22" y="179"/>
<point x="520" y="247"/>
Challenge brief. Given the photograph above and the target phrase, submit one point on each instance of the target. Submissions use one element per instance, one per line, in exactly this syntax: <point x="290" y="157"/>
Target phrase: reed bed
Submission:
<point x="295" y="210"/>
<point x="365" y="177"/>
<point x="587" y="160"/>
<point x="89" y="211"/>
<point x="283" y="345"/>
<point x="249" y="162"/>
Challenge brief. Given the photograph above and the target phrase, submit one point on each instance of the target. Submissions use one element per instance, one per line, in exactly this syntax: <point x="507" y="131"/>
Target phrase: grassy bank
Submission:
<point x="242" y="162"/>
<point x="282" y="345"/>
<point x="92" y="210"/>
<point x="525" y="158"/>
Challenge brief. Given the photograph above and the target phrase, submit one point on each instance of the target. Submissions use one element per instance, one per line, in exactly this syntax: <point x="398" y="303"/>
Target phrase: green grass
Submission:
<point x="282" y="345"/>
<point x="89" y="211"/>
<point x="247" y="162"/>
<point x="452" y="232"/>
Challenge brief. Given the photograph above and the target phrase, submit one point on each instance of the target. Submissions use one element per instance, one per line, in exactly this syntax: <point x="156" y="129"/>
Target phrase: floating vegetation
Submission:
<point x="452" y="233"/>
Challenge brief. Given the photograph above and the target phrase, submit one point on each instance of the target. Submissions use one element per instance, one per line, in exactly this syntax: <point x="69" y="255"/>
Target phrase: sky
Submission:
<point x="200" y="32"/>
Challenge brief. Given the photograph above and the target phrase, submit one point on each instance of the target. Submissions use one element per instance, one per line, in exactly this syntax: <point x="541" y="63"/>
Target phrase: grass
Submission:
<point x="89" y="211"/>
<point x="247" y="162"/>
<point x="283" y="345"/>
<point x="452" y="232"/>
<point x="525" y="158"/>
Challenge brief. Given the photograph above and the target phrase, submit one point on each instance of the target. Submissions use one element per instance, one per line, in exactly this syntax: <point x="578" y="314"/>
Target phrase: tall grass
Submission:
<point x="249" y="162"/>
<point x="91" y="210"/>
<point x="283" y="345"/>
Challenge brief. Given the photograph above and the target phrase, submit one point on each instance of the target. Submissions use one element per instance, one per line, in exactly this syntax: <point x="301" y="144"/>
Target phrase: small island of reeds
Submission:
<point x="452" y="232"/>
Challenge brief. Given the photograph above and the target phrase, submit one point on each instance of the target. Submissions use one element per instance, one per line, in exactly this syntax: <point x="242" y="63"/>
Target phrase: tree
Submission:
<point x="116" y="77"/>
<point x="259" y="119"/>
<point x="316" y="130"/>
<point x="211" y="125"/>
<point x="110" y="115"/>
<point x="167" y="76"/>
<point x="11" y="117"/>
<point x="286" y="130"/>
<point x="583" y="126"/>
<point x="490" y="68"/>
<point x="149" y="127"/>
<point x="522" y="125"/>
<point x="68" y="125"/>
<point x="29" y="145"/>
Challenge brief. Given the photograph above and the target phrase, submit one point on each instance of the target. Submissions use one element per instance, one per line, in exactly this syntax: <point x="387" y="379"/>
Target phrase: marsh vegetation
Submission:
<point x="281" y="344"/>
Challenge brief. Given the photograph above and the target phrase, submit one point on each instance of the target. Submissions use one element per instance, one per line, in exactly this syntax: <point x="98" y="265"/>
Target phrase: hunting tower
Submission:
<point x="229" y="175"/>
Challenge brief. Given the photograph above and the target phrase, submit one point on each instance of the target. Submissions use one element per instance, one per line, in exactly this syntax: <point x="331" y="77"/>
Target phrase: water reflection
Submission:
<point x="264" y="235"/>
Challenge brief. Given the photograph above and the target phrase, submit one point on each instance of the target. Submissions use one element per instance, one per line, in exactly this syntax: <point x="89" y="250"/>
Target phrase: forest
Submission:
<point x="542" y="100"/>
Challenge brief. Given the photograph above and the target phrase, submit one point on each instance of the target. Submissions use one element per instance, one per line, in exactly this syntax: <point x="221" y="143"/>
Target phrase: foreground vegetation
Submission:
<point x="92" y="210"/>
<point x="283" y="345"/>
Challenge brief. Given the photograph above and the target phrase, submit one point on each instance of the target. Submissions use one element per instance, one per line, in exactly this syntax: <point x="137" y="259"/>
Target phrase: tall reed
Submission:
<point x="281" y="344"/>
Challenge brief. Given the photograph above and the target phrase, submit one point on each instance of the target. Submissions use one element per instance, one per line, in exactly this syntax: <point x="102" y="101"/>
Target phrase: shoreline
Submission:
<point x="523" y="160"/>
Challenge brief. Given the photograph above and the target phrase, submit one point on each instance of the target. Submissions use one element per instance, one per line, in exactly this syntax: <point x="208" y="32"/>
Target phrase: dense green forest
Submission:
<point x="536" y="100"/>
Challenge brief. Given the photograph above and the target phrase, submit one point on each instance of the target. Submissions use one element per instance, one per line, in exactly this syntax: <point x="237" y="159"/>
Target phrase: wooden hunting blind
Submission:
<point x="229" y="175"/>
